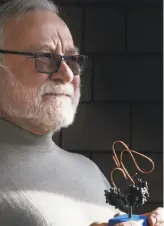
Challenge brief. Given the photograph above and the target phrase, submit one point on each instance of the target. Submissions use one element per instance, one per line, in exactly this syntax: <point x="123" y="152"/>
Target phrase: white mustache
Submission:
<point x="66" y="89"/>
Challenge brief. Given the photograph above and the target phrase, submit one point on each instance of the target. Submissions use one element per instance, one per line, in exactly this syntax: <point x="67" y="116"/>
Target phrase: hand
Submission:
<point x="156" y="217"/>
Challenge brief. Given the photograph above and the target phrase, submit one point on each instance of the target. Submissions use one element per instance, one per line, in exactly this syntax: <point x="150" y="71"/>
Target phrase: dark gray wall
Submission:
<point x="122" y="86"/>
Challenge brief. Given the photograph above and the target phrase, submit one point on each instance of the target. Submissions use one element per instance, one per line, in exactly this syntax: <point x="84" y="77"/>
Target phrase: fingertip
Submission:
<point x="117" y="214"/>
<point x="145" y="214"/>
<point x="99" y="224"/>
<point x="152" y="221"/>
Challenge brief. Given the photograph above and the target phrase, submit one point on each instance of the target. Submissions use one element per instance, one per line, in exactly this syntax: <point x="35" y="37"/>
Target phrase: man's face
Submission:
<point x="27" y="97"/>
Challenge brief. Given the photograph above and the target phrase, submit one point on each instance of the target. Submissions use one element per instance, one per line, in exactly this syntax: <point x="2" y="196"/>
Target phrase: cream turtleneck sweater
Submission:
<point x="43" y="185"/>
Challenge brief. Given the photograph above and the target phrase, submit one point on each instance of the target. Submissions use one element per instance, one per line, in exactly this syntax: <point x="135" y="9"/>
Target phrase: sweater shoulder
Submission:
<point x="80" y="159"/>
<point x="87" y="165"/>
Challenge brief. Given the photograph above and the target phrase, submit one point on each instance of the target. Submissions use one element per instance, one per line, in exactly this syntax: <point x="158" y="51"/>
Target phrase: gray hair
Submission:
<point x="16" y="9"/>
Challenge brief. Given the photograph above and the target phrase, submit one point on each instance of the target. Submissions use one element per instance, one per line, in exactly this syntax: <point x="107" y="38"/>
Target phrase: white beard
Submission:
<point x="25" y="105"/>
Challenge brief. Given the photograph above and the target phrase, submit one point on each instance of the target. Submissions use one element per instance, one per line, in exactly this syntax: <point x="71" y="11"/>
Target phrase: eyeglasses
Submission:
<point x="49" y="63"/>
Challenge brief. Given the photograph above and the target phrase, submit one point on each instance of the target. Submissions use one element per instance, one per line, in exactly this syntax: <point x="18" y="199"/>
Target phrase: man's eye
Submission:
<point x="45" y="58"/>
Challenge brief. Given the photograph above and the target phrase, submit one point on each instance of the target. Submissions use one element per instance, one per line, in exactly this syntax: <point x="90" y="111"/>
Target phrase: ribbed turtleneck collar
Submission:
<point x="12" y="135"/>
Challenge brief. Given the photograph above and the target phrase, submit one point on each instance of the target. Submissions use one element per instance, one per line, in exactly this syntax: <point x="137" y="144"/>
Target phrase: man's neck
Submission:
<point x="15" y="136"/>
<point x="22" y="123"/>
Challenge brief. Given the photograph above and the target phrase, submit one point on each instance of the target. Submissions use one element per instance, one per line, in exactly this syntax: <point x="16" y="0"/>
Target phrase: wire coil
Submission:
<point x="121" y="167"/>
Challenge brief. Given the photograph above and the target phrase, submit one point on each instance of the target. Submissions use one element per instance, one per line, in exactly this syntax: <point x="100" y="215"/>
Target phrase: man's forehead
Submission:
<point x="41" y="26"/>
<point x="37" y="47"/>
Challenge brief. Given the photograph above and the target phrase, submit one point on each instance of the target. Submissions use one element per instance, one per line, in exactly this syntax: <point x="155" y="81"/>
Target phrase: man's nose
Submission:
<point x="64" y="73"/>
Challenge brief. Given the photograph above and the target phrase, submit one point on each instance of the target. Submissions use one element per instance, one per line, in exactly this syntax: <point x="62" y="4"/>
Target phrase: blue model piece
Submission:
<point x="124" y="218"/>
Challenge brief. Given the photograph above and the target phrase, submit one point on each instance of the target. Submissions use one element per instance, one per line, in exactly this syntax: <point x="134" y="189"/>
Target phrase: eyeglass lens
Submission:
<point x="50" y="63"/>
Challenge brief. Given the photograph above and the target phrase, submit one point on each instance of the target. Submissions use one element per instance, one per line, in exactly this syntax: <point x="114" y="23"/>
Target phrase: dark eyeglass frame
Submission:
<point x="36" y="55"/>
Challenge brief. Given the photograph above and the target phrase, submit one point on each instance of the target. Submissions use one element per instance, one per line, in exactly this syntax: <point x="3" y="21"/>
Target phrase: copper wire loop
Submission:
<point x="120" y="165"/>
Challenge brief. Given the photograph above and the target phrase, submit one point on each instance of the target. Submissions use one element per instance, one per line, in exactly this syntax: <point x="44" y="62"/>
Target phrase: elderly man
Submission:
<point x="40" y="68"/>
